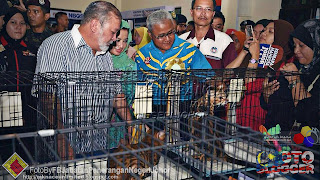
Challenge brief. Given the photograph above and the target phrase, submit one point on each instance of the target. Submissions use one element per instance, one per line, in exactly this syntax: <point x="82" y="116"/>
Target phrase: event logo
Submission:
<point x="15" y="165"/>
<point x="307" y="136"/>
<point x="285" y="162"/>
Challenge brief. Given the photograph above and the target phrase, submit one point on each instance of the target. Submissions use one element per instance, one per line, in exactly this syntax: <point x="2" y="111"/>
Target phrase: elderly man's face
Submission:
<point x="163" y="35"/>
<point x="107" y="33"/>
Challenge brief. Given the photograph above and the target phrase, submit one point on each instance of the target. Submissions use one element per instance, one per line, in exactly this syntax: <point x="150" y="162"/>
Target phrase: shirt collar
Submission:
<point x="78" y="39"/>
<point x="76" y="36"/>
<point x="210" y="34"/>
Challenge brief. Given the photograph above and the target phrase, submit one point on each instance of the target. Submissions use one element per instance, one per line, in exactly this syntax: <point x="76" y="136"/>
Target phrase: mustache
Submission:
<point x="203" y="17"/>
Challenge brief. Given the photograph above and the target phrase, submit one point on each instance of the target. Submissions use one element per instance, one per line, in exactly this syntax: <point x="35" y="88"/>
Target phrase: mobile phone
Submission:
<point x="249" y="31"/>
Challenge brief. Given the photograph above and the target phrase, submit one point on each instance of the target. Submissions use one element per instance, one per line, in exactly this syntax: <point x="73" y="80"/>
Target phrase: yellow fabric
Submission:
<point x="143" y="33"/>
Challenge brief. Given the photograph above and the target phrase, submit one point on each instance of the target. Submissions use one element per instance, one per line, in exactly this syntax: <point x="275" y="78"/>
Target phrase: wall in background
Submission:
<point x="78" y="4"/>
<point x="140" y="4"/>
<point x="234" y="10"/>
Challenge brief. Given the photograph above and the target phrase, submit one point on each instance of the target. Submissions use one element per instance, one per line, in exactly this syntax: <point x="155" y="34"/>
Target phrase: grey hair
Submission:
<point x="100" y="10"/>
<point x="157" y="17"/>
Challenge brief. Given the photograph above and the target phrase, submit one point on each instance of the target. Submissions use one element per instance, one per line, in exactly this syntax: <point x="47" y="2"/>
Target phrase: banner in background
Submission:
<point x="74" y="15"/>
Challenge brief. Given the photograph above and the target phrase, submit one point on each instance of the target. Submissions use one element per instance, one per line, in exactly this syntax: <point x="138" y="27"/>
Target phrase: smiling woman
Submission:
<point x="121" y="62"/>
<point x="15" y="55"/>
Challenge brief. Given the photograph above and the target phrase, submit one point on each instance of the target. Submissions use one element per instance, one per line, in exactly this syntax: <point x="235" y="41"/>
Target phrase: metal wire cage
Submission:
<point x="185" y="125"/>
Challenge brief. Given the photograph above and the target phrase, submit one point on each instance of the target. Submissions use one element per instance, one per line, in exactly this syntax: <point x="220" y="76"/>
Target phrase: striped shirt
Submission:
<point x="83" y="84"/>
<point x="150" y="58"/>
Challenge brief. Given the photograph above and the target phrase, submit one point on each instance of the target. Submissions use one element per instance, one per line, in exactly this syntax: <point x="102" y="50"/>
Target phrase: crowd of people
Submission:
<point x="103" y="41"/>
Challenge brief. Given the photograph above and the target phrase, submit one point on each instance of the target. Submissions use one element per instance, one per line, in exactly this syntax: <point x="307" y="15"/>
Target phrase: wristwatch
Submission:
<point x="253" y="61"/>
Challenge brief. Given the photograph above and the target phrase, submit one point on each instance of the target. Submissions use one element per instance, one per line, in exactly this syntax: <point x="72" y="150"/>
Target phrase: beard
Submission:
<point x="102" y="45"/>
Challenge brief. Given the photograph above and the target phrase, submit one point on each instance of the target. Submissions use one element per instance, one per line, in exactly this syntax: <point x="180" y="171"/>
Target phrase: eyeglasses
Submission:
<point x="200" y="9"/>
<point x="161" y="36"/>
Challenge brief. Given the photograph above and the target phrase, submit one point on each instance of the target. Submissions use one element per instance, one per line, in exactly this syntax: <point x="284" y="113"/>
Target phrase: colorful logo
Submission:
<point x="307" y="136"/>
<point x="15" y="165"/>
<point x="214" y="49"/>
<point x="294" y="162"/>
<point x="147" y="60"/>
<point x="268" y="159"/>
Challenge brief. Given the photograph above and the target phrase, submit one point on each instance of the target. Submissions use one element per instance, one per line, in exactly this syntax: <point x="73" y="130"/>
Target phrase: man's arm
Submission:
<point x="121" y="106"/>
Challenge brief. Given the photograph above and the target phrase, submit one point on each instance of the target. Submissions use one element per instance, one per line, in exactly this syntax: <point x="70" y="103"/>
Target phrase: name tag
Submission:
<point x="213" y="57"/>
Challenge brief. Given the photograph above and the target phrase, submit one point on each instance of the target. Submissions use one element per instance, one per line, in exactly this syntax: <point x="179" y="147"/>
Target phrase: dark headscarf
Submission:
<point x="11" y="12"/>
<point x="263" y="22"/>
<point x="282" y="30"/>
<point x="309" y="33"/>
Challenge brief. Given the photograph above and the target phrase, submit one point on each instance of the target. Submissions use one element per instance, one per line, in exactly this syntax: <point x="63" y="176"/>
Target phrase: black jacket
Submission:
<point x="281" y="109"/>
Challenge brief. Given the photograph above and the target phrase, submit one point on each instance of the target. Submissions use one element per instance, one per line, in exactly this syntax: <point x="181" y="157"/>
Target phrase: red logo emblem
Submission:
<point x="147" y="60"/>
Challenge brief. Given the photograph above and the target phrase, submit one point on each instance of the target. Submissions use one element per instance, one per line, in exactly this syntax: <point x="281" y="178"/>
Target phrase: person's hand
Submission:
<point x="254" y="49"/>
<point x="247" y="42"/>
<point x="290" y="67"/>
<point x="21" y="7"/>
<point x="269" y="88"/>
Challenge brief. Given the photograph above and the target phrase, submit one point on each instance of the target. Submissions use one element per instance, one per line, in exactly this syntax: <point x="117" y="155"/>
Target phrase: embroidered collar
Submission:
<point x="210" y="34"/>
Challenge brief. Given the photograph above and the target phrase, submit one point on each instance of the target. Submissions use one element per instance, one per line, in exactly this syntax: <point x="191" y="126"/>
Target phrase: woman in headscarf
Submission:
<point x="259" y="27"/>
<point x="238" y="38"/>
<point x="302" y="91"/>
<point x="121" y="62"/>
<point x="15" y="54"/>
<point x="251" y="113"/>
<point x="141" y="37"/>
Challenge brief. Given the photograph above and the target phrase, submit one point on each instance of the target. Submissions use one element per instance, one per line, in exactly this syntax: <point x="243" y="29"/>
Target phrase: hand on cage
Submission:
<point x="269" y="88"/>
<point x="290" y="67"/>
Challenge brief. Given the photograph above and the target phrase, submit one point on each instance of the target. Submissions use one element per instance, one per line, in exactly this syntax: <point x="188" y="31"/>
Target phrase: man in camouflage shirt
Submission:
<point x="38" y="12"/>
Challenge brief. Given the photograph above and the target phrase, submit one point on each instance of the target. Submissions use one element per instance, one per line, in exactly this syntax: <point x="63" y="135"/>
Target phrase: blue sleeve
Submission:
<point x="200" y="62"/>
<point x="138" y="60"/>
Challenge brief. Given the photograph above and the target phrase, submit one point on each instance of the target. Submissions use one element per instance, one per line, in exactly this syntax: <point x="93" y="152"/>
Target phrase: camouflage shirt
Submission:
<point x="35" y="39"/>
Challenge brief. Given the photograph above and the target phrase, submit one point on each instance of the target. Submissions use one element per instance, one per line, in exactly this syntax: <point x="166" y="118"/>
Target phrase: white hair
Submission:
<point x="157" y="17"/>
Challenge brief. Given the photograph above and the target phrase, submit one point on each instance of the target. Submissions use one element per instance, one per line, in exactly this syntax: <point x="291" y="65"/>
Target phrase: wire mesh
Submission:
<point x="185" y="125"/>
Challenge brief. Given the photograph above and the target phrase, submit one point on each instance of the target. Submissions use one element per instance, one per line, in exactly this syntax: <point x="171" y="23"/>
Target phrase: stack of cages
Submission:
<point x="18" y="112"/>
<point x="199" y="124"/>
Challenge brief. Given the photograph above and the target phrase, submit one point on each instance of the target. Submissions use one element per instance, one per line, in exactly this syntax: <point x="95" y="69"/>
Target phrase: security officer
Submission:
<point x="38" y="12"/>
